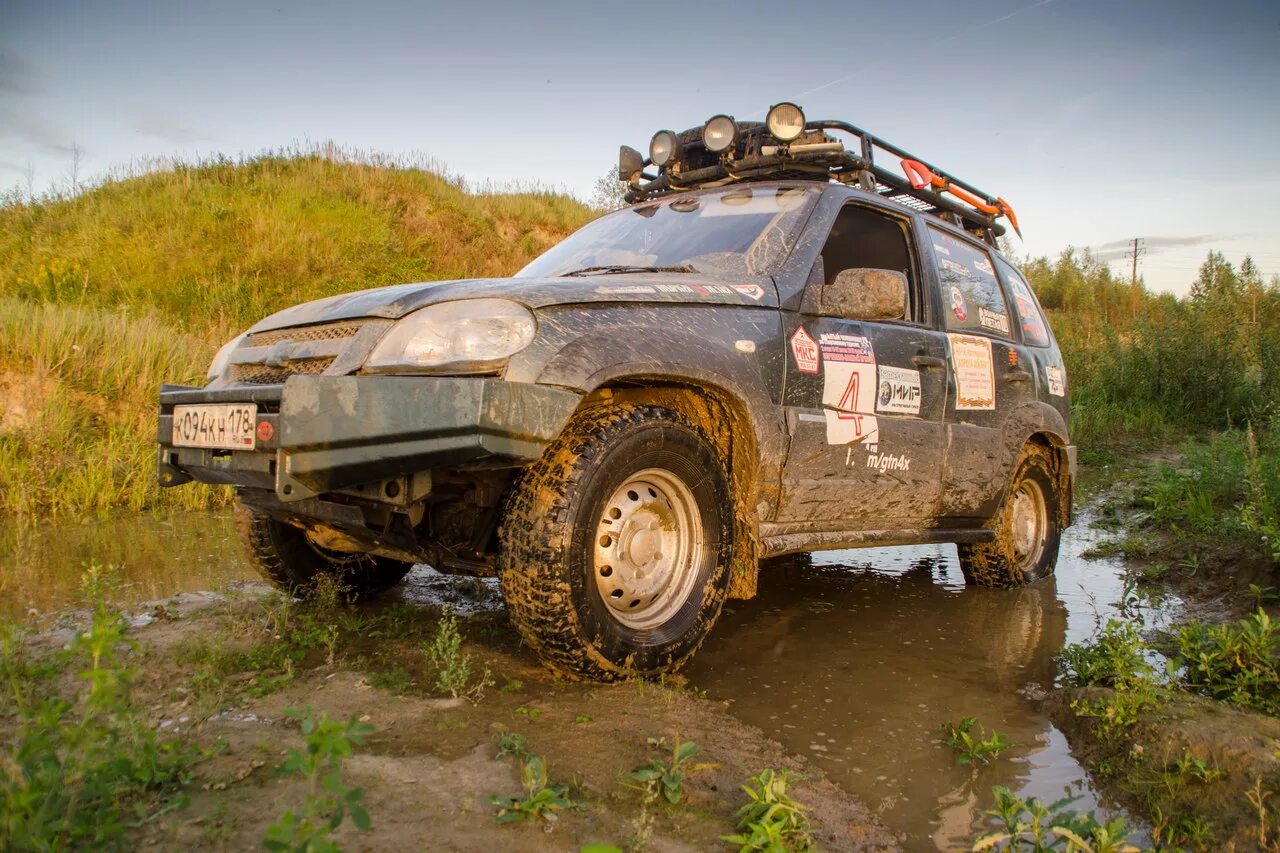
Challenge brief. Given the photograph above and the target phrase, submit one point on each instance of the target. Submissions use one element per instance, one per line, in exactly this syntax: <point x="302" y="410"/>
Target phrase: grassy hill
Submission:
<point x="108" y="293"/>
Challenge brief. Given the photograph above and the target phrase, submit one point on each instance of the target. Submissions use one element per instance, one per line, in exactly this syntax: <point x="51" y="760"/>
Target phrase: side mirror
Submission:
<point x="630" y="164"/>
<point x="865" y="294"/>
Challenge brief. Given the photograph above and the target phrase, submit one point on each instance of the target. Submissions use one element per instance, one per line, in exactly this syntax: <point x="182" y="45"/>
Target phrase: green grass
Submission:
<point x="108" y="293"/>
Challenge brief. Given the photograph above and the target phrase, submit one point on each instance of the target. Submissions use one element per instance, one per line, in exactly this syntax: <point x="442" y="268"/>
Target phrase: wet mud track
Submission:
<point x="854" y="659"/>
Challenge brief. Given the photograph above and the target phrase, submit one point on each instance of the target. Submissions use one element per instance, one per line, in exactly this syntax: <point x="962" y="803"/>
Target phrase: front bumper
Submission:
<point x="340" y="432"/>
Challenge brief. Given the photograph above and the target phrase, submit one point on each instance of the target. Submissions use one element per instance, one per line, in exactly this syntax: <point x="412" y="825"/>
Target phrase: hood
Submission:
<point x="397" y="300"/>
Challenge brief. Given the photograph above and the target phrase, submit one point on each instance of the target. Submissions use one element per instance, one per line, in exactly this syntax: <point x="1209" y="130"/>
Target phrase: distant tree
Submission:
<point x="608" y="192"/>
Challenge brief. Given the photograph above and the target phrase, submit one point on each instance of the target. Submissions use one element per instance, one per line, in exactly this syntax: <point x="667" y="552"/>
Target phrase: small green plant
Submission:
<point x="541" y="800"/>
<point x="771" y="820"/>
<point x="452" y="665"/>
<point x="1033" y="826"/>
<point x="1261" y="595"/>
<point x="974" y="747"/>
<point x="529" y="711"/>
<point x="584" y="718"/>
<point x="81" y="764"/>
<point x="1236" y="663"/>
<point x="397" y="680"/>
<point x="658" y="778"/>
<point x="1114" y="658"/>
<point x="511" y="743"/>
<point x="329" y="800"/>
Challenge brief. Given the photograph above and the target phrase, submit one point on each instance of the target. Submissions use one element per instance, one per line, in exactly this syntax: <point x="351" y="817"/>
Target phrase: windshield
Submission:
<point x="743" y="231"/>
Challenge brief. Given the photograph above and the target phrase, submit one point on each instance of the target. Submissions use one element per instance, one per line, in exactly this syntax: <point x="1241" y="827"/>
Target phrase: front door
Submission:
<point x="864" y="400"/>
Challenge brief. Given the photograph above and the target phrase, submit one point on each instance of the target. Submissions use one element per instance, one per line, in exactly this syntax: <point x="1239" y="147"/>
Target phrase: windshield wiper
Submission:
<point x="619" y="269"/>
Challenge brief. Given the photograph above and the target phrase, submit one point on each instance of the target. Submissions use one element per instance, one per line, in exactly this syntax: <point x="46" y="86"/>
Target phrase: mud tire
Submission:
<point x="545" y="562"/>
<point x="284" y="557"/>
<point x="997" y="564"/>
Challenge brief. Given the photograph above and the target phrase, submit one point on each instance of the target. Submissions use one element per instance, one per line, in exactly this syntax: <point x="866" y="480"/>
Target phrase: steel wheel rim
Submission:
<point x="1029" y="520"/>
<point x="648" y="549"/>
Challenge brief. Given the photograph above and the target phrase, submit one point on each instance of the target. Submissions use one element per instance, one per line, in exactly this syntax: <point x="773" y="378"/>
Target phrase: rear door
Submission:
<point x="990" y="372"/>
<point x="864" y="401"/>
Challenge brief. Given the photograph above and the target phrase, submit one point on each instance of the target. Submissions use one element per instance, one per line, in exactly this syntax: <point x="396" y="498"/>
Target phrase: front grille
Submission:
<point x="332" y="349"/>
<point x="327" y="332"/>
<point x="261" y="374"/>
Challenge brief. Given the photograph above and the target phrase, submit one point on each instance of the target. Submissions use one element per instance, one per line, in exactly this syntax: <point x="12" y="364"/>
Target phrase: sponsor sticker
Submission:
<point x="849" y="389"/>
<point x="1057" y="382"/>
<point x="630" y="288"/>
<point x="993" y="320"/>
<point x="805" y="351"/>
<point x="941" y="249"/>
<point x="974" y="372"/>
<point x="983" y="265"/>
<point x="754" y="291"/>
<point x="957" y="304"/>
<point x="899" y="391"/>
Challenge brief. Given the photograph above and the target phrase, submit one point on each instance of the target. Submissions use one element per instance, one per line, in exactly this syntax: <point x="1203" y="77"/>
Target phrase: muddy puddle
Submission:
<point x="857" y="658"/>
<point x="853" y="658"/>
<point x="41" y="566"/>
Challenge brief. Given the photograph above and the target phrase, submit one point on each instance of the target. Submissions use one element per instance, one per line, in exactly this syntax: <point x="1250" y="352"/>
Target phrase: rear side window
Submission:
<point x="1034" y="330"/>
<point x="971" y="297"/>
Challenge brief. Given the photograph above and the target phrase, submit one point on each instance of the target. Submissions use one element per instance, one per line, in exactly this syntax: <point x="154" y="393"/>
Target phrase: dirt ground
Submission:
<point x="431" y="766"/>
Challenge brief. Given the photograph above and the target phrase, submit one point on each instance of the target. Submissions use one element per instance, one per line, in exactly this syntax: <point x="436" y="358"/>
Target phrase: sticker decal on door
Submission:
<point x="899" y="391"/>
<point x="805" y="351"/>
<point x="974" y="371"/>
<point x="849" y="390"/>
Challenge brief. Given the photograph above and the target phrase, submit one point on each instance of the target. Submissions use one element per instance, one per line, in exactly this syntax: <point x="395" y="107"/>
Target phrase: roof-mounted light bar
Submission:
<point x="788" y="145"/>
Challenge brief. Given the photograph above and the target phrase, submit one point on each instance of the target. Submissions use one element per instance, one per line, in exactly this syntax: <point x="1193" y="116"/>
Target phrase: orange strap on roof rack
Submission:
<point x="922" y="177"/>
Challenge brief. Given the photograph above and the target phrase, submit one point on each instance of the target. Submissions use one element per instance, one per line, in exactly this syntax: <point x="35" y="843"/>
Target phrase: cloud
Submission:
<point x="1153" y="245"/>
<point x="26" y="128"/>
<point x="17" y="75"/>
<point x="166" y="127"/>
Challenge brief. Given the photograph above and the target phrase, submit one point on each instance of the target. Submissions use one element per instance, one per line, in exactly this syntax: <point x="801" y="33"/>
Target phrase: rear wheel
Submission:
<point x="614" y="546"/>
<point x="291" y="562"/>
<point x="1027" y="528"/>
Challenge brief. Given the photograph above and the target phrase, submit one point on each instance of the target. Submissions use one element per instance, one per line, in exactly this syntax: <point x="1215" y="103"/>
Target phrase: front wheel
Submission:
<point x="1027" y="528"/>
<point x="615" y="545"/>
<point x="291" y="562"/>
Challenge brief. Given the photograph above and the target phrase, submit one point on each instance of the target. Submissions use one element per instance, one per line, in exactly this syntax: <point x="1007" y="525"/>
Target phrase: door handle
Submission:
<point x="924" y="361"/>
<point x="1017" y="376"/>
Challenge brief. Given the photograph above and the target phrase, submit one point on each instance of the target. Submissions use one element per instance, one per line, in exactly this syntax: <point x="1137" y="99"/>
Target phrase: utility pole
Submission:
<point x="1137" y="252"/>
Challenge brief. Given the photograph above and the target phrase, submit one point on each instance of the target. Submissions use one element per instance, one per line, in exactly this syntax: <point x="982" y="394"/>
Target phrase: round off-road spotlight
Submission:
<point x="785" y="121"/>
<point x="663" y="147"/>
<point x="719" y="133"/>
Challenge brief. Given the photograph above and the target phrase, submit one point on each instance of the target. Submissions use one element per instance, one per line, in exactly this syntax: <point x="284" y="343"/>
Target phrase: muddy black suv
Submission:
<point x="780" y="346"/>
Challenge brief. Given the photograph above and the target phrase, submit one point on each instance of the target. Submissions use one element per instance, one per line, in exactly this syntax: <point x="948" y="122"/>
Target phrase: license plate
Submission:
<point x="223" y="426"/>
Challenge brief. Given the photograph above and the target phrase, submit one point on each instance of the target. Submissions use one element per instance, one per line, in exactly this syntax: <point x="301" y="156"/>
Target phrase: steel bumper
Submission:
<point x="338" y="432"/>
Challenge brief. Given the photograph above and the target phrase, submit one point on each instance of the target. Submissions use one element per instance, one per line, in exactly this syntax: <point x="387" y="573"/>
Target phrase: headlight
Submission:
<point x="663" y="147"/>
<point x="219" y="362"/>
<point x="719" y="133"/>
<point x="466" y="336"/>
<point x="785" y="121"/>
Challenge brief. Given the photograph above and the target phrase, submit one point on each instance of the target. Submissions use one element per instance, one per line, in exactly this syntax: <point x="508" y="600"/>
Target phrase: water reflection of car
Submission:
<point x="624" y="429"/>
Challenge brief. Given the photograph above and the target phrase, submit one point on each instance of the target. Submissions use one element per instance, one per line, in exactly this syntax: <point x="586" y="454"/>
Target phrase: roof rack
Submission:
<point x="787" y="147"/>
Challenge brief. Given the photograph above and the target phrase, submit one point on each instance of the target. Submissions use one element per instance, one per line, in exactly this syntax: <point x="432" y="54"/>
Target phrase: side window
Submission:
<point x="863" y="238"/>
<point x="971" y="297"/>
<point x="1034" y="330"/>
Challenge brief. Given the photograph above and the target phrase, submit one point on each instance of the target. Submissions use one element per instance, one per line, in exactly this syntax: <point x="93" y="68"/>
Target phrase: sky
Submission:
<point x="1099" y="120"/>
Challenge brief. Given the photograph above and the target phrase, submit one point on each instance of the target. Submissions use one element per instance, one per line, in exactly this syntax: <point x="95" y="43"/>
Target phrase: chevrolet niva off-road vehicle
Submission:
<point x="779" y="346"/>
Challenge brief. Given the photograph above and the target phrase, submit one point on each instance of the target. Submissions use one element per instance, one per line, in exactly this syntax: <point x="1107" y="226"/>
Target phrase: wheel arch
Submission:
<point x="726" y="420"/>
<point x="1056" y="445"/>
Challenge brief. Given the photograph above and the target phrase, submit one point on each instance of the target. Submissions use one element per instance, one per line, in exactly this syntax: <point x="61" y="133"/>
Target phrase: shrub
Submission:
<point x="1234" y="663"/>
